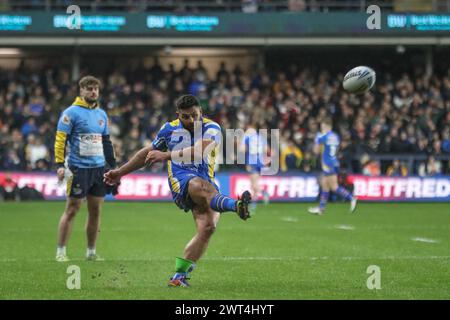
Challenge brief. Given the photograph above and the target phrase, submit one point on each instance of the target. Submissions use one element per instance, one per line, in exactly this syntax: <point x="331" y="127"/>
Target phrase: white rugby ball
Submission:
<point x="359" y="80"/>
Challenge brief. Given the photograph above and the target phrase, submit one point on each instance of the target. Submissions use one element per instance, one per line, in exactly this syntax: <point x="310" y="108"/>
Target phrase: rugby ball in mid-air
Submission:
<point x="359" y="80"/>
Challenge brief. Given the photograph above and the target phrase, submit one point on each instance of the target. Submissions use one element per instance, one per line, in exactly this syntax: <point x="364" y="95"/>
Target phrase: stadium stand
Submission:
<point x="247" y="6"/>
<point x="407" y="120"/>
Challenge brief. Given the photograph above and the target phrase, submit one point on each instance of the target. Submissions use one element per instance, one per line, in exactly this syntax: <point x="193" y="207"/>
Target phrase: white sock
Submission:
<point x="60" y="250"/>
<point x="90" y="251"/>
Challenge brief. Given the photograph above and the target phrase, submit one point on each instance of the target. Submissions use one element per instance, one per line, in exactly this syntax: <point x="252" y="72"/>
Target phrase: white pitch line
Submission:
<point x="248" y="259"/>
<point x="426" y="240"/>
<point x="289" y="219"/>
<point x="224" y="227"/>
<point x="344" y="227"/>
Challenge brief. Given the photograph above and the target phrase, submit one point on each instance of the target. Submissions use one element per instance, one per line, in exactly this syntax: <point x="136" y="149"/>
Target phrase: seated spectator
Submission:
<point x="42" y="165"/>
<point x="291" y="156"/>
<point x="8" y="188"/>
<point x="402" y="144"/>
<point x="132" y="142"/>
<point x="249" y="6"/>
<point x="430" y="168"/>
<point x="12" y="161"/>
<point x="284" y="94"/>
<point x="397" y="169"/>
<point x="296" y="5"/>
<point x="29" y="127"/>
<point x="369" y="167"/>
<point x="445" y="146"/>
<point x="308" y="163"/>
<point x="35" y="150"/>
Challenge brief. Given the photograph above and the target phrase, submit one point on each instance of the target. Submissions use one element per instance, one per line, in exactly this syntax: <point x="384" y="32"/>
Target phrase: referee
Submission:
<point x="84" y="126"/>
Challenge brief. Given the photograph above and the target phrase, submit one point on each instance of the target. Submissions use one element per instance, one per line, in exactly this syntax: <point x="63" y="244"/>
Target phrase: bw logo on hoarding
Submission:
<point x="74" y="20"/>
<point x="374" y="20"/>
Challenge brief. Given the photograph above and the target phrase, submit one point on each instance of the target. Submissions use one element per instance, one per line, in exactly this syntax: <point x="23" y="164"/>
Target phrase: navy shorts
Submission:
<point x="86" y="181"/>
<point x="179" y="184"/>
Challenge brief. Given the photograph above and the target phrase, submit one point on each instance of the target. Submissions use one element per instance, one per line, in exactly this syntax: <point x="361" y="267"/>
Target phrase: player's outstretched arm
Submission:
<point x="201" y="148"/>
<point x="138" y="161"/>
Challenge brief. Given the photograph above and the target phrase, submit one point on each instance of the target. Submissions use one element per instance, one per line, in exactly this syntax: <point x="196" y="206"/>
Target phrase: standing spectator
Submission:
<point x="222" y="73"/>
<point x="200" y="72"/>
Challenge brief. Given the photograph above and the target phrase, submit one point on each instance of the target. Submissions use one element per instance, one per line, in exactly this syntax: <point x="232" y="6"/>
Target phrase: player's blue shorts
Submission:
<point x="86" y="181"/>
<point x="179" y="183"/>
<point x="330" y="170"/>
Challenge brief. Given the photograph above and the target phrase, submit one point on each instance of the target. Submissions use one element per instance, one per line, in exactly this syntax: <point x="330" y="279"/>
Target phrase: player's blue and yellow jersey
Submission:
<point x="255" y="148"/>
<point x="329" y="144"/>
<point x="83" y="127"/>
<point x="172" y="136"/>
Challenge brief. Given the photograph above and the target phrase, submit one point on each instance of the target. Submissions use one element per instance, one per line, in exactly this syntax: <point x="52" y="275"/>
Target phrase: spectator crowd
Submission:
<point x="405" y="117"/>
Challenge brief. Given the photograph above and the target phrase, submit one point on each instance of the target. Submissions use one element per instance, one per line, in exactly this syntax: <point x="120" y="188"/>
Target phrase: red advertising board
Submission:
<point x="148" y="187"/>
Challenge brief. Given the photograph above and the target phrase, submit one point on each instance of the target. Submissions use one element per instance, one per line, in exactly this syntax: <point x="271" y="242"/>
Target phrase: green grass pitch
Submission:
<point x="282" y="252"/>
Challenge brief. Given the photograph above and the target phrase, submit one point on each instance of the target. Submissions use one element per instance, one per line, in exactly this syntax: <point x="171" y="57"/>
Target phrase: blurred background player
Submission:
<point x="85" y="127"/>
<point x="190" y="166"/>
<point x="327" y="143"/>
<point x="255" y="148"/>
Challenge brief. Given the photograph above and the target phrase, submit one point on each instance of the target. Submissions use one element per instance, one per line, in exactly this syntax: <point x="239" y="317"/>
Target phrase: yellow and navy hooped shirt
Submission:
<point x="83" y="127"/>
<point x="172" y="136"/>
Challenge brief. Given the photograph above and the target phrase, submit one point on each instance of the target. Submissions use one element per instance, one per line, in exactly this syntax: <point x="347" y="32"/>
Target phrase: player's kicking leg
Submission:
<point x="206" y="222"/>
<point x="65" y="227"/>
<point x="208" y="203"/>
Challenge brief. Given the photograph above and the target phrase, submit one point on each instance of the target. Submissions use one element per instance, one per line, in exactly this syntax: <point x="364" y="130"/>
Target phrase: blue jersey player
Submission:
<point x="84" y="128"/>
<point x="255" y="148"/>
<point x="327" y="143"/>
<point x="189" y="145"/>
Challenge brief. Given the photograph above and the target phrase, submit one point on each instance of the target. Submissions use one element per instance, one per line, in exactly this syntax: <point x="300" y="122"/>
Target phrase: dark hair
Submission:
<point x="89" y="81"/>
<point x="328" y="121"/>
<point x="187" y="101"/>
